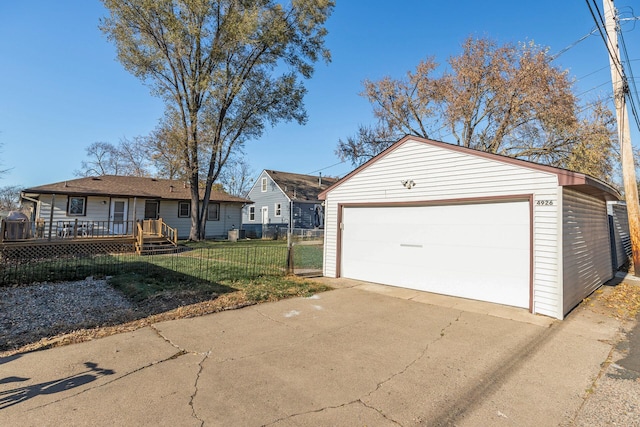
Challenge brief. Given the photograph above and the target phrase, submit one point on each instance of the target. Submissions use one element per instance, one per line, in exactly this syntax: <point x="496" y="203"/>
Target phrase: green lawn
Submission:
<point x="256" y="267"/>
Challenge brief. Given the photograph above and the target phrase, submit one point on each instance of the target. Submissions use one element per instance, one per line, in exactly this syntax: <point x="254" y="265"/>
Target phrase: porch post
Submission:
<point x="53" y="202"/>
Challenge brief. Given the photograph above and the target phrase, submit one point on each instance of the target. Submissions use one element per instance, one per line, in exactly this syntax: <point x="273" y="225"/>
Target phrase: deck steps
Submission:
<point x="157" y="246"/>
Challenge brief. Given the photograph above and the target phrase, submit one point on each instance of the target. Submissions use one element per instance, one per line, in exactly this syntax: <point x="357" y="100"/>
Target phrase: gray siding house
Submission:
<point x="281" y="198"/>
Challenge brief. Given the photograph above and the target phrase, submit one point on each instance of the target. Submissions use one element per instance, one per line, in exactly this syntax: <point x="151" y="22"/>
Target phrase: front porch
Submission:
<point x="142" y="235"/>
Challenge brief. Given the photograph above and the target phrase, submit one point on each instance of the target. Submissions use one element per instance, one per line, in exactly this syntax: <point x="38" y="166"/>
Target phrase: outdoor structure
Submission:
<point x="620" y="237"/>
<point x="446" y="219"/>
<point x="110" y="205"/>
<point x="283" y="198"/>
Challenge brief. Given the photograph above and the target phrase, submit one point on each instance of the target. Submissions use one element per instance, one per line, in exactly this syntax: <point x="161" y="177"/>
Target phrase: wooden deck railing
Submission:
<point x="41" y="230"/>
<point x="17" y="231"/>
<point x="154" y="228"/>
<point x="159" y="228"/>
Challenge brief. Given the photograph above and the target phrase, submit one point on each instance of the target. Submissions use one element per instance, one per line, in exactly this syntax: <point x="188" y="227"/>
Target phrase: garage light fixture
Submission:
<point x="408" y="184"/>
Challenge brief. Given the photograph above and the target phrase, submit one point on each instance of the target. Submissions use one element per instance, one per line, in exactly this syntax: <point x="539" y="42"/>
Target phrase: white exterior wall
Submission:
<point x="230" y="217"/>
<point x="442" y="174"/>
<point x="586" y="246"/>
<point x="98" y="207"/>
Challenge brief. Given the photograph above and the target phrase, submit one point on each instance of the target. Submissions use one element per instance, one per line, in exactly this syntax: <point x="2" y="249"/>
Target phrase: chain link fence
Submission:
<point x="210" y="264"/>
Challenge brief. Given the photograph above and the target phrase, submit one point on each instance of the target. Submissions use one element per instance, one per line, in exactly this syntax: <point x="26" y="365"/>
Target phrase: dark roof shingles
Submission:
<point x="301" y="187"/>
<point x="129" y="186"/>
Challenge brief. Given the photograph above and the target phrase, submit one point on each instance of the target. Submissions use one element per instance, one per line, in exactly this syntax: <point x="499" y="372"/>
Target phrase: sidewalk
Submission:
<point x="357" y="355"/>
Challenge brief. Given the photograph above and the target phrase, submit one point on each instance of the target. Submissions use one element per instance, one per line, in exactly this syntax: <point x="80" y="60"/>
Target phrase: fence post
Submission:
<point x="290" y="266"/>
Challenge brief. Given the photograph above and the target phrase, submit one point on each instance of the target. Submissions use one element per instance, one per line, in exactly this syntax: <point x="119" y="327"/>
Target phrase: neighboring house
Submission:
<point x="279" y="198"/>
<point x="446" y="219"/>
<point x="121" y="200"/>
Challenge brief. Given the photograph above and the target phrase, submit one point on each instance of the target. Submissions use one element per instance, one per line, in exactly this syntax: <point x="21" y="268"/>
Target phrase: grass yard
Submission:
<point x="307" y="257"/>
<point x="210" y="277"/>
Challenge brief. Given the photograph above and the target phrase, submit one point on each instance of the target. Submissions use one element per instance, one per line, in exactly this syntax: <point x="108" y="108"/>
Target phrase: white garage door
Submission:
<point x="478" y="251"/>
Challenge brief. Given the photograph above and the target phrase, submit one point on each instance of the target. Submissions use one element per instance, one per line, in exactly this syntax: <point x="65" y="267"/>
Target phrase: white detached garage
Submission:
<point x="446" y="219"/>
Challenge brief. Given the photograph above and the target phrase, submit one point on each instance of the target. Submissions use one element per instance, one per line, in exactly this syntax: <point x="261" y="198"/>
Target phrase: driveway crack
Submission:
<point x="195" y="388"/>
<point x="135" y="371"/>
<point x="280" y="322"/>
<point x="166" y="339"/>
<point x="417" y="358"/>
<point x="378" y="386"/>
<point x="316" y="411"/>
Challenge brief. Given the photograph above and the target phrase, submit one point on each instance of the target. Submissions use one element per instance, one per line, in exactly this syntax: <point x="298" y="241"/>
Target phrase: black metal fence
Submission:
<point x="210" y="264"/>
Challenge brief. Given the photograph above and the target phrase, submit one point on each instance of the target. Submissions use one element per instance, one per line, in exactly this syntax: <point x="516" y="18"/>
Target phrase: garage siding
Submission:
<point x="442" y="174"/>
<point x="620" y="233"/>
<point x="586" y="246"/>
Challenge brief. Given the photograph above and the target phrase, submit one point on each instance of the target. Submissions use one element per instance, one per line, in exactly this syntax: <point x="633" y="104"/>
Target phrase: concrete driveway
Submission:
<point x="361" y="355"/>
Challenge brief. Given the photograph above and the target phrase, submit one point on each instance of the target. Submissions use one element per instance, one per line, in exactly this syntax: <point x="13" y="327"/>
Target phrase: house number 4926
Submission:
<point x="544" y="202"/>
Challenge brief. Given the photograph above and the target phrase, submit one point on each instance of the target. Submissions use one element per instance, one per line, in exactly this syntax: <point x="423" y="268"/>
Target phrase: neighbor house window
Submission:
<point x="278" y="209"/>
<point x="264" y="185"/>
<point x="213" y="212"/>
<point x="252" y="213"/>
<point x="151" y="209"/>
<point x="184" y="209"/>
<point x="77" y="206"/>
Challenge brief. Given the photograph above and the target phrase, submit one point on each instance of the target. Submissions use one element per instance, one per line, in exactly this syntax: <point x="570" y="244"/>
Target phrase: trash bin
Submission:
<point x="232" y="235"/>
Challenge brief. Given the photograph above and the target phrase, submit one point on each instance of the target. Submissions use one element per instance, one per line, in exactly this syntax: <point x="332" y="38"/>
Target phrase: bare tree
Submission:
<point x="9" y="197"/>
<point x="215" y="62"/>
<point x="129" y="157"/>
<point x="103" y="160"/>
<point x="507" y="99"/>
<point x="133" y="157"/>
<point x="236" y="177"/>
<point x="2" y="171"/>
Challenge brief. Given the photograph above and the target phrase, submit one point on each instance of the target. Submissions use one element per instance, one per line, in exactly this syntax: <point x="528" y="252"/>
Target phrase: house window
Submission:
<point x="213" y="212"/>
<point x="264" y="185"/>
<point x="77" y="206"/>
<point x="184" y="209"/>
<point x="252" y="213"/>
<point x="151" y="209"/>
<point x="278" y="209"/>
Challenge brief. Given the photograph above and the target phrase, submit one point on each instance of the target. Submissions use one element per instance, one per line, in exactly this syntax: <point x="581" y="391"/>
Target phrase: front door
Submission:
<point x="118" y="217"/>
<point x="265" y="215"/>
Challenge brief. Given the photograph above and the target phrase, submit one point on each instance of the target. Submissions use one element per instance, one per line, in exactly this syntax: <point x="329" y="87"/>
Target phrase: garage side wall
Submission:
<point x="586" y="246"/>
<point x="621" y="244"/>
<point x="442" y="174"/>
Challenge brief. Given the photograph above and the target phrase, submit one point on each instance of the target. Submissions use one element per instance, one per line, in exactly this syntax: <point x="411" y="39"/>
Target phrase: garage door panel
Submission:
<point x="478" y="251"/>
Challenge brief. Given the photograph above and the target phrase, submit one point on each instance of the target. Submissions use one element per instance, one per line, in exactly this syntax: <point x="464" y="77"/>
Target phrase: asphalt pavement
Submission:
<point x="359" y="355"/>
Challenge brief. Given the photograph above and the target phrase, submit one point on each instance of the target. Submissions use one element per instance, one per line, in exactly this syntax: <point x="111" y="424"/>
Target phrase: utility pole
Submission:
<point x="620" y="88"/>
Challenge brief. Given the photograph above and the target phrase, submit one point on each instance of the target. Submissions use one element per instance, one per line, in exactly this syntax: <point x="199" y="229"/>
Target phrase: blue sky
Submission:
<point x="61" y="87"/>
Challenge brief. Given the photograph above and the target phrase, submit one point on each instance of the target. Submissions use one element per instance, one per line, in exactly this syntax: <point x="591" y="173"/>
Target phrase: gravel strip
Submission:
<point x="30" y="312"/>
<point x="614" y="400"/>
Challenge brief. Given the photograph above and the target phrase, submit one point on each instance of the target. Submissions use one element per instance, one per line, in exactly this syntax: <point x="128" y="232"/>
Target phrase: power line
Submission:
<point x="600" y="24"/>
<point x="631" y="88"/>
<point x="605" y="37"/>
<point x="572" y="45"/>
<point x="326" y="167"/>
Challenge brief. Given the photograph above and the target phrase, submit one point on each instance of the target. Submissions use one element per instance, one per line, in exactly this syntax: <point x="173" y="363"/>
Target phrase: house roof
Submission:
<point x="566" y="178"/>
<point x="301" y="187"/>
<point x="129" y="186"/>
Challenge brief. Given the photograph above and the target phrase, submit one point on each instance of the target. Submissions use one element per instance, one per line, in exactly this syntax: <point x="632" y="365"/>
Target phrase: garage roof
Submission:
<point x="566" y="178"/>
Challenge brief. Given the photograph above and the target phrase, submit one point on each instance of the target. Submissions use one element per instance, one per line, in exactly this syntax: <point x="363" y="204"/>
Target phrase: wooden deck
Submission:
<point x="42" y="238"/>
